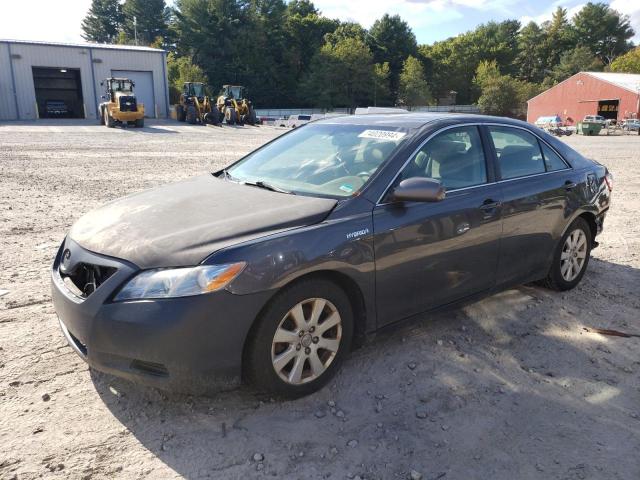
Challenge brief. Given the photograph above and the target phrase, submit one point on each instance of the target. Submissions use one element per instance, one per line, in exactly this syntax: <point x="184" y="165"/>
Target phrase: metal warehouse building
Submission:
<point x="615" y="96"/>
<point x="40" y="79"/>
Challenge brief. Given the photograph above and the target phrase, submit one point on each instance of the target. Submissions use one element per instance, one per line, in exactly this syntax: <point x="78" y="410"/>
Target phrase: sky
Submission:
<point x="431" y="20"/>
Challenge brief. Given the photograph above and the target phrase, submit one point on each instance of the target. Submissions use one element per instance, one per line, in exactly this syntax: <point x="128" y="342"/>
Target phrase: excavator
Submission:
<point x="234" y="107"/>
<point x="195" y="106"/>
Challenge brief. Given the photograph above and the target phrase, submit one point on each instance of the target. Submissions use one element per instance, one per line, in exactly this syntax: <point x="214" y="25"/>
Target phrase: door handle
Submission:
<point x="569" y="185"/>
<point x="489" y="204"/>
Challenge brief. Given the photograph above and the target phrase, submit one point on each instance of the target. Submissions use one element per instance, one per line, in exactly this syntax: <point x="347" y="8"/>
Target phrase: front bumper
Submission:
<point x="190" y="344"/>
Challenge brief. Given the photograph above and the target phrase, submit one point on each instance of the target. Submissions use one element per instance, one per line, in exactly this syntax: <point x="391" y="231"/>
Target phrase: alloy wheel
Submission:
<point x="306" y="341"/>
<point x="573" y="256"/>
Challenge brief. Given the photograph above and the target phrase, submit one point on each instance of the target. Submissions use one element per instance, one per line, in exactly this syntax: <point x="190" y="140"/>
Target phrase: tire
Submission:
<point x="290" y="368"/>
<point x="230" y="116"/>
<point x="102" y="116"/>
<point x="251" y="117"/>
<point x="108" y="119"/>
<point x="562" y="275"/>
<point x="140" y="123"/>
<point x="180" y="114"/>
<point x="192" y="117"/>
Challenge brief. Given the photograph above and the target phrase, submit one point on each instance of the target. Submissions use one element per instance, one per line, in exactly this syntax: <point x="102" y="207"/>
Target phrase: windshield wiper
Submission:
<point x="268" y="186"/>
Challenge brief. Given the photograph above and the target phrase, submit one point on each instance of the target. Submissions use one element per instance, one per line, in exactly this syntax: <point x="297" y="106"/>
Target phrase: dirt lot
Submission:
<point x="511" y="387"/>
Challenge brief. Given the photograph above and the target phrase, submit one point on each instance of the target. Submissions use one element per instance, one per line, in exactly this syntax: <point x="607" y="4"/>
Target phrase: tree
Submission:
<point x="454" y="61"/>
<point x="102" y="22"/>
<point x="627" y="63"/>
<point x="531" y="60"/>
<point x="341" y="75"/>
<point x="577" y="60"/>
<point x="392" y="40"/>
<point x="181" y="70"/>
<point x="146" y="20"/>
<point x="558" y="37"/>
<point x="413" y="87"/>
<point x="381" y="91"/>
<point x="502" y="94"/>
<point x="603" y="30"/>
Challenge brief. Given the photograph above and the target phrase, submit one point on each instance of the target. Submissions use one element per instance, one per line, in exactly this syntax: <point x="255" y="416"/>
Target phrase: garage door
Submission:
<point x="143" y="88"/>
<point x="58" y="92"/>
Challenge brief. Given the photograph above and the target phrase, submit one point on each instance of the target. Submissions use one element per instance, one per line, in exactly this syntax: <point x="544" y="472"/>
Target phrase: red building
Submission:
<point x="615" y="96"/>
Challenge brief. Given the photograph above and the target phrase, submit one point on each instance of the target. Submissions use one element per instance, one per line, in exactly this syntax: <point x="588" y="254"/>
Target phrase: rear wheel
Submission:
<point x="102" y="116"/>
<point x="180" y="113"/>
<point x="571" y="257"/>
<point x="301" y="339"/>
<point x="192" y="116"/>
<point x="140" y="123"/>
<point x="251" y="117"/>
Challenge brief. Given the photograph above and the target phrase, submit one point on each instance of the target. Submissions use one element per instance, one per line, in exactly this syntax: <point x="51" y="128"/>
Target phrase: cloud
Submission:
<point x="43" y="20"/>
<point x="633" y="10"/>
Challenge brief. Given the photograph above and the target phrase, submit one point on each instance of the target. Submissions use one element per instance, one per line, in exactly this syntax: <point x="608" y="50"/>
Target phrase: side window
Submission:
<point x="552" y="160"/>
<point x="518" y="152"/>
<point x="454" y="157"/>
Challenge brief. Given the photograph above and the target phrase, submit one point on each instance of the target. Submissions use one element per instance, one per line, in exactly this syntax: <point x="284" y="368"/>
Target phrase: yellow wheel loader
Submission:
<point x="234" y="108"/>
<point x="195" y="106"/>
<point x="119" y="104"/>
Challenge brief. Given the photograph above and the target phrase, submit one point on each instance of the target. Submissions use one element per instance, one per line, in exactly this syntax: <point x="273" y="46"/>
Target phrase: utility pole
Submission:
<point x="135" y="29"/>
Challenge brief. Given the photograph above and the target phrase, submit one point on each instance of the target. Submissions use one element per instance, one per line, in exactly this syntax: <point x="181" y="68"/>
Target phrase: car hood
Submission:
<point x="184" y="222"/>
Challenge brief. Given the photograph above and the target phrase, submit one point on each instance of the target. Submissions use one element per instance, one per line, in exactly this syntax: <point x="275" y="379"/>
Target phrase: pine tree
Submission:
<point x="103" y="21"/>
<point x="145" y="20"/>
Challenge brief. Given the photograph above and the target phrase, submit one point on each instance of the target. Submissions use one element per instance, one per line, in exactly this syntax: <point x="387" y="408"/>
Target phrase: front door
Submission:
<point x="430" y="254"/>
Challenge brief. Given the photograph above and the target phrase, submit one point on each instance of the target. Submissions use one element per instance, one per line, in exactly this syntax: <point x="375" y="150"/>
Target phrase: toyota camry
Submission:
<point x="272" y="269"/>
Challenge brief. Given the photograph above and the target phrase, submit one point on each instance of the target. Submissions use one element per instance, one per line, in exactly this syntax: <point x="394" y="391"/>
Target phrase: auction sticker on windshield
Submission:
<point x="382" y="135"/>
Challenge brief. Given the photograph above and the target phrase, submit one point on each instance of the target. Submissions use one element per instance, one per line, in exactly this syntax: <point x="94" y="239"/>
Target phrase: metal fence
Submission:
<point x="447" y="108"/>
<point x="286" y="112"/>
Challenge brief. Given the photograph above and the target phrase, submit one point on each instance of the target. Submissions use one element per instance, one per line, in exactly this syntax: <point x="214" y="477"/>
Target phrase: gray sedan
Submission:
<point x="271" y="270"/>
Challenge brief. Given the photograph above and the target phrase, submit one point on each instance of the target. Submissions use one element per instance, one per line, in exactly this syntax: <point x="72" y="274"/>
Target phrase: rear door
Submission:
<point x="537" y="187"/>
<point x="143" y="88"/>
<point x="429" y="254"/>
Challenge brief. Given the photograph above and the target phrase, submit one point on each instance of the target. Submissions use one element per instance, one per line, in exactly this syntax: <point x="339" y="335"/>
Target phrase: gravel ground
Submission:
<point x="511" y="387"/>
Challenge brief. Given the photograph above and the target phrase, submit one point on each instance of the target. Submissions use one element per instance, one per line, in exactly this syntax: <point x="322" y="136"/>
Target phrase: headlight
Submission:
<point x="179" y="282"/>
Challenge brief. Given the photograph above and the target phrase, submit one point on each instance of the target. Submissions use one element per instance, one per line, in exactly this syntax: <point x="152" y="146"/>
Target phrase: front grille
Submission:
<point x="85" y="278"/>
<point x="128" y="103"/>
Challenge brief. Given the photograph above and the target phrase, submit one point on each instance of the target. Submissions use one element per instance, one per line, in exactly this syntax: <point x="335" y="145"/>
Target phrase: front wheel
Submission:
<point x="571" y="257"/>
<point x="192" y="115"/>
<point x="230" y="116"/>
<point x="108" y="119"/>
<point x="301" y="339"/>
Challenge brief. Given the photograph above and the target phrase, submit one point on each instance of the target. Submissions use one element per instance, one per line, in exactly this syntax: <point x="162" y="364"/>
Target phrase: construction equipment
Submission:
<point x="120" y="105"/>
<point x="195" y="106"/>
<point x="234" y="107"/>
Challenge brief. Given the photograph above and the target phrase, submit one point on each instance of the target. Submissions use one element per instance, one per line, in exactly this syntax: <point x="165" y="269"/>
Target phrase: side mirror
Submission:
<point x="418" y="189"/>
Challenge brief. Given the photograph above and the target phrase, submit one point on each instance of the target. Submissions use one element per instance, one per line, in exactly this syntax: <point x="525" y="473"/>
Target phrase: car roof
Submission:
<point x="414" y="120"/>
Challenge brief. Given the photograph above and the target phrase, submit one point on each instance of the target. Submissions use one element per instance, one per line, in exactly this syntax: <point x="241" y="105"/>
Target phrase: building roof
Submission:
<point x="628" y="81"/>
<point x="83" y="45"/>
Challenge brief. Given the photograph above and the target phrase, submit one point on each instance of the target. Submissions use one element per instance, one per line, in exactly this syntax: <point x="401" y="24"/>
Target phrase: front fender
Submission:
<point x="343" y="245"/>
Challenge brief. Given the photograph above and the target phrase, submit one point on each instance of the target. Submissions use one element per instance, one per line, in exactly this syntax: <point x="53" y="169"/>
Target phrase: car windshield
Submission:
<point x="320" y="159"/>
